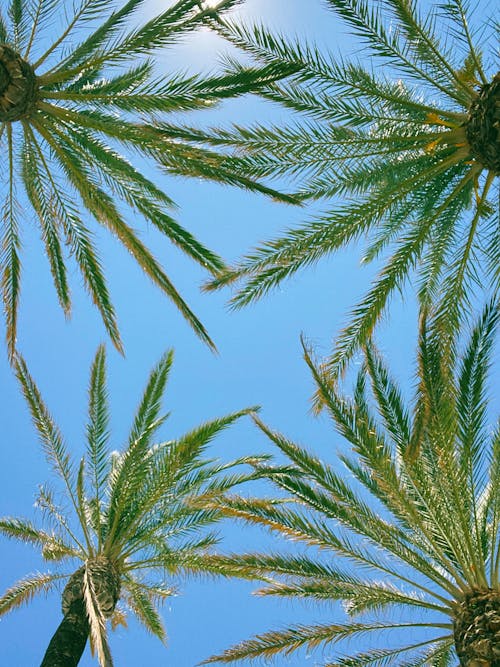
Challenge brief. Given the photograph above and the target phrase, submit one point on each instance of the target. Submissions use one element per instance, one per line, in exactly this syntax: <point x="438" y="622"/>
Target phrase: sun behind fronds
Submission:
<point x="409" y="540"/>
<point x="404" y="141"/>
<point x="81" y="99"/>
<point x="127" y="527"/>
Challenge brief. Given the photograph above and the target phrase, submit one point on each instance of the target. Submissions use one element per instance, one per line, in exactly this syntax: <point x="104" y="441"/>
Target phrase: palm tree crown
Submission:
<point x="406" y="142"/>
<point x="73" y="114"/>
<point x="134" y="526"/>
<point x="411" y="544"/>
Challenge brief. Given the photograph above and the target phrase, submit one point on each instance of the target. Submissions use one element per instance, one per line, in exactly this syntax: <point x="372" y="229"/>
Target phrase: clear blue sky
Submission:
<point x="259" y="362"/>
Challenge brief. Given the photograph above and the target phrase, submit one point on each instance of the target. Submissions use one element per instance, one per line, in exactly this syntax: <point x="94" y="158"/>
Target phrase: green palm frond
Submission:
<point x="409" y="538"/>
<point x="48" y="431"/>
<point x="137" y="492"/>
<point x="406" y="148"/>
<point x="76" y="111"/>
<point x="25" y="590"/>
<point x="97" y="435"/>
<point x="441" y="656"/>
<point x="291" y="639"/>
<point x="141" y="599"/>
<point x="137" y="521"/>
<point x="53" y="547"/>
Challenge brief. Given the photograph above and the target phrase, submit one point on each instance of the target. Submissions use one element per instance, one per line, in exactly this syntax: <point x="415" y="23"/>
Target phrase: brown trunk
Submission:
<point x="68" y="642"/>
<point x="477" y="629"/>
<point x="483" y="127"/>
<point x="18" y="86"/>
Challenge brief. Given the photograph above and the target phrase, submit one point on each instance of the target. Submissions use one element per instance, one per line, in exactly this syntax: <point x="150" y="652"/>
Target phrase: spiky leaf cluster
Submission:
<point x="409" y="540"/>
<point x="401" y="147"/>
<point x="129" y="525"/>
<point x="82" y="106"/>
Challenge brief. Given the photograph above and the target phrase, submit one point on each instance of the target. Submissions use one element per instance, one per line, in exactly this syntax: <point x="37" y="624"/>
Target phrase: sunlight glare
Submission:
<point x="209" y="4"/>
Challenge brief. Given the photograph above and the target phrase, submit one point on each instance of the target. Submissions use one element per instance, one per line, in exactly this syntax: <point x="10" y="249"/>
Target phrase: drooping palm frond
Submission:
<point x="137" y="520"/>
<point x="143" y="599"/>
<point x="409" y="544"/>
<point x="405" y="144"/>
<point x="23" y="591"/>
<point x="75" y="116"/>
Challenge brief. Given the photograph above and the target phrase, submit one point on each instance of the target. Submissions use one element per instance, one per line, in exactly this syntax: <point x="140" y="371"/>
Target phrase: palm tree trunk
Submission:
<point x="18" y="85"/>
<point x="68" y="642"/>
<point x="477" y="628"/>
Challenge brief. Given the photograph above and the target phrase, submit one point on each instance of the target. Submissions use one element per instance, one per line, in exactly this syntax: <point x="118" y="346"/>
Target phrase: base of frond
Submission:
<point x="477" y="629"/>
<point x="18" y="86"/>
<point x="483" y="127"/>
<point x="106" y="582"/>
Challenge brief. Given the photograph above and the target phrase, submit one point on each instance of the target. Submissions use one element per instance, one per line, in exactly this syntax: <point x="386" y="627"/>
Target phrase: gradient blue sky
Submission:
<point x="259" y="362"/>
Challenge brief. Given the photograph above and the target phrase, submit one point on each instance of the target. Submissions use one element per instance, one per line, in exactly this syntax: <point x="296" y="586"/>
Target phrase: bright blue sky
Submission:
<point x="259" y="362"/>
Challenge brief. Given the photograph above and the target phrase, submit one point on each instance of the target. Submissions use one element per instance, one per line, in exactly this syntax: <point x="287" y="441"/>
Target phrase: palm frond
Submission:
<point x="140" y="599"/>
<point x="25" y="590"/>
<point x="85" y="11"/>
<point x="51" y="544"/>
<point x="104" y="33"/>
<point x="388" y="395"/>
<point x="37" y="188"/>
<point x="80" y="241"/>
<point x="193" y="443"/>
<point x="368" y="23"/>
<point x="460" y="277"/>
<point x="74" y="97"/>
<point x="175" y="466"/>
<point x="291" y="639"/>
<point x="394" y="141"/>
<point x="383" y="657"/>
<point x="58" y="517"/>
<point x="40" y="13"/>
<point x="146" y="420"/>
<point x="48" y="432"/>
<point x="98" y="434"/>
<point x="143" y="521"/>
<point x="3" y="28"/>
<point x="102" y="207"/>
<point x="358" y="597"/>
<point x="20" y="20"/>
<point x="9" y="258"/>
<point x="118" y="618"/>
<point x="492" y="506"/>
<point x="401" y="537"/>
<point x="97" y="622"/>
<point x="123" y="483"/>
<point x="458" y="11"/>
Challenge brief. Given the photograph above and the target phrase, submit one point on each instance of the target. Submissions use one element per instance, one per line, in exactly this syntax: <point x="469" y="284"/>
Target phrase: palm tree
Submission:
<point x="405" y="144"/>
<point x="409" y="543"/>
<point x="73" y="116"/>
<point x="134" y="526"/>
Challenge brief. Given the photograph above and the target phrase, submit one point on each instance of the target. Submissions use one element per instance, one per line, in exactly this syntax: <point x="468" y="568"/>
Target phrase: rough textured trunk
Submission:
<point x="106" y="581"/>
<point x="18" y="86"/>
<point x="68" y="642"/>
<point x="477" y="629"/>
<point x="483" y="126"/>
